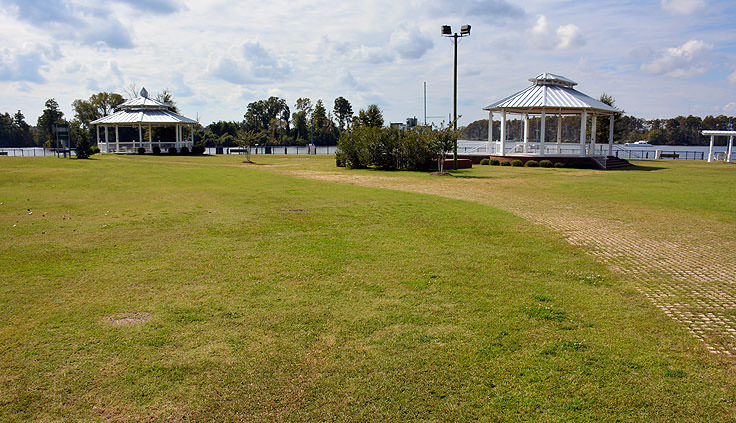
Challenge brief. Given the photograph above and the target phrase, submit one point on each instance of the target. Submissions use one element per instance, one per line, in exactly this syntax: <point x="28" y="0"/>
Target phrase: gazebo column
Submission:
<point x="117" y="140"/>
<point x="503" y="133"/>
<point x="593" y="128"/>
<point x="583" y="129"/>
<point x="542" y="128"/>
<point x="191" y="136"/>
<point x="97" y="127"/>
<point x="710" y="150"/>
<point x="490" y="133"/>
<point x="140" y="135"/>
<point x="559" y="133"/>
<point x="107" y="140"/>
<point x="730" y="144"/>
<point x="526" y="132"/>
<point x="610" y="136"/>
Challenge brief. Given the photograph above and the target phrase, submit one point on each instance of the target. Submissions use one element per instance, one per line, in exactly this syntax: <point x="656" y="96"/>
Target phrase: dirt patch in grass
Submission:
<point x="127" y="319"/>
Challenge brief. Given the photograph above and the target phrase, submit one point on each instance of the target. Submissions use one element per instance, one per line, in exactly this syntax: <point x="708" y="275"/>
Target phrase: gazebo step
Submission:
<point x="613" y="162"/>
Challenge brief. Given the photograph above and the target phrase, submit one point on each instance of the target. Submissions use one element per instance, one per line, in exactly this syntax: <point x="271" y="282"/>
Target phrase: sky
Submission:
<point x="658" y="59"/>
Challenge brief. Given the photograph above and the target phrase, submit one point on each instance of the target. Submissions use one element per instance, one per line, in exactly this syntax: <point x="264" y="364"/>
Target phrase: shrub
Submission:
<point x="83" y="149"/>
<point x="545" y="163"/>
<point x="198" y="149"/>
<point x="172" y="150"/>
<point x="505" y="163"/>
<point x="531" y="163"/>
<point x="485" y="162"/>
<point x="386" y="148"/>
<point x="559" y="164"/>
<point x="141" y="150"/>
<point x="516" y="163"/>
<point x="184" y="150"/>
<point x="95" y="150"/>
<point x="156" y="149"/>
<point x="495" y="162"/>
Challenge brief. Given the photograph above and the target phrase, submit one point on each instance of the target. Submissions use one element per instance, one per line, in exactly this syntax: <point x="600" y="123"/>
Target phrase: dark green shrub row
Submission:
<point x="388" y="148"/>
<point x="516" y="163"/>
<point x="495" y="162"/>
<point x="485" y="162"/>
<point x="531" y="163"/>
<point x="545" y="163"/>
<point x="505" y="163"/>
<point x="196" y="150"/>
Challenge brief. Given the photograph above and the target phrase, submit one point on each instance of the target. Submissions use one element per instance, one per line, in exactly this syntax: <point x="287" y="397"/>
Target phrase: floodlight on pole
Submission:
<point x="447" y="32"/>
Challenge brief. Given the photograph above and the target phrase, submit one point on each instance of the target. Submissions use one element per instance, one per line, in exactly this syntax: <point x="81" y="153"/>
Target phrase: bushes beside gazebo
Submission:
<point x="393" y="149"/>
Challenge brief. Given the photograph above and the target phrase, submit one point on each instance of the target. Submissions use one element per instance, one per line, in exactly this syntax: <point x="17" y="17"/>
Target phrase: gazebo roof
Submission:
<point x="550" y="91"/>
<point x="143" y="110"/>
<point x="123" y="117"/>
<point x="141" y="102"/>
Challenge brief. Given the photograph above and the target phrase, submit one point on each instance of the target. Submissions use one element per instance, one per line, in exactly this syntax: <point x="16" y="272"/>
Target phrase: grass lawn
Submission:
<point x="198" y="288"/>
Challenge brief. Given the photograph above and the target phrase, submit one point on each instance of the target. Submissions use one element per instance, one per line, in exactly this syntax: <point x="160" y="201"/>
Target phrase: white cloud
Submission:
<point x="564" y="37"/>
<point x="683" y="7"/>
<point x="730" y="108"/>
<point x="568" y="36"/>
<point x="732" y="78"/>
<point x="26" y="63"/>
<point x="410" y="43"/>
<point x="251" y="63"/>
<point x="686" y="60"/>
<point x="68" y="20"/>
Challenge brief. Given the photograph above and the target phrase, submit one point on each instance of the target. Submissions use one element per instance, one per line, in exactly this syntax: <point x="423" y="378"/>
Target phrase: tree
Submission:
<point x="371" y="116"/>
<point x="259" y="114"/>
<point x="165" y="96"/>
<point x="443" y="141"/>
<point x="343" y="112"/>
<point x="24" y="135"/>
<point x="602" y="130"/>
<point x="50" y="116"/>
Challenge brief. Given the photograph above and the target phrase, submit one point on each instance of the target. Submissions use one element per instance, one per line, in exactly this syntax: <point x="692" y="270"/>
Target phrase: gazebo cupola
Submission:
<point x="550" y="95"/>
<point x="141" y="112"/>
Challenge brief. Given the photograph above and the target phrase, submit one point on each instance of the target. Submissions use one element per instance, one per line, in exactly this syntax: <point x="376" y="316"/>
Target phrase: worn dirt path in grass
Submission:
<point x="690" y="275"/>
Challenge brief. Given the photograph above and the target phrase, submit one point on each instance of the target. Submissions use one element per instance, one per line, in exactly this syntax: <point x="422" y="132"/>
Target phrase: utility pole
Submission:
<point x="447" y="32"/>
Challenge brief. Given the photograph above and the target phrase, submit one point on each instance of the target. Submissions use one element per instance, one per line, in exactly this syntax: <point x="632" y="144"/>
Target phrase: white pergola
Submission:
<point x="553" y="95"/>
<point x="713" y="134"/>
<point x="142" y="112"/>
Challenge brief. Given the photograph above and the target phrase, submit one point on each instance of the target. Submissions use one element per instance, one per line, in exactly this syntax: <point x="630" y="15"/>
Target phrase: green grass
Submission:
<point x="277" y="298"/>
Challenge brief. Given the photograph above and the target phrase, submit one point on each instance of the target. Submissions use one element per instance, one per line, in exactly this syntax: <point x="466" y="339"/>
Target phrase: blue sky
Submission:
<point x="658" y="59"/>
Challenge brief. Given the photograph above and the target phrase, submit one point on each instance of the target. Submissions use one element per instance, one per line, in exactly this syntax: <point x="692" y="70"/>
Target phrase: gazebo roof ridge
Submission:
<point x="547" y="78"/>
<point x="144" y="102"/>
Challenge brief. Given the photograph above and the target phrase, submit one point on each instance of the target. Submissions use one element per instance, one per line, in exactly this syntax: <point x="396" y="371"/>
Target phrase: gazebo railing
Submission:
<point x="551" y="149"/>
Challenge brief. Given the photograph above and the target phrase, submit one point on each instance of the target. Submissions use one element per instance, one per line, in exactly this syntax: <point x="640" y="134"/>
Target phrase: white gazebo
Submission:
<point x="142" y="112"/>
<point x="713" y="134"/>
<point x="551" y="95"/>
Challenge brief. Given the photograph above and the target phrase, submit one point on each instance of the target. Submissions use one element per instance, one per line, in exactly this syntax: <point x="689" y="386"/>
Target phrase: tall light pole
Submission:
<point x="447" y="32"/>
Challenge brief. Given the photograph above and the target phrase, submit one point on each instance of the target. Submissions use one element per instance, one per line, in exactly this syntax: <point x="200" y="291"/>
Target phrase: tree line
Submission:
<point x="266" y="122"/>
<point x="271" y="122"/>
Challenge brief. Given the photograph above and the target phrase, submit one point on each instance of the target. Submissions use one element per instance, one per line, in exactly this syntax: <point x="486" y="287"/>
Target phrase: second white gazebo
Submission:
<point x="551" y="95"/>
<point x="143" y="112"/>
